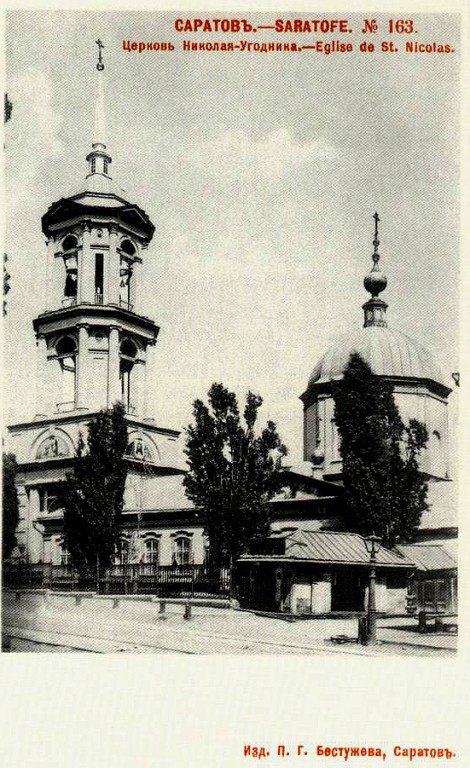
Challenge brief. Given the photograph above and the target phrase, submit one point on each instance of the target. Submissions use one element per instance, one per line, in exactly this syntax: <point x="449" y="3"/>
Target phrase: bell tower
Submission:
<point x="94" y="346"/>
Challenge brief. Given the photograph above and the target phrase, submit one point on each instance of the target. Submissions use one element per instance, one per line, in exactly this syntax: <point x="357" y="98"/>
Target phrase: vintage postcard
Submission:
<point x="232" y="386"/>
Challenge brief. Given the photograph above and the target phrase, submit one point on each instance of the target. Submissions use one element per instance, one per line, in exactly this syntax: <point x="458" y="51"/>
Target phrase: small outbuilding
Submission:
<point x="433" y="588"/>
<point x="319" y="572"/>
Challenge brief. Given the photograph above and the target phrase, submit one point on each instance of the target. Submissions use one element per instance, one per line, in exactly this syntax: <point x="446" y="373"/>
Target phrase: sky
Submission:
<point x="261" y="173"/>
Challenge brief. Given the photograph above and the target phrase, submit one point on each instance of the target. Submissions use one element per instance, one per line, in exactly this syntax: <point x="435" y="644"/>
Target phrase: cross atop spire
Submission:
<point x="376" y="241"/>
<point x="100" y="65"/>
<point x="99" y="159"/>
<point x="375" y="282"/>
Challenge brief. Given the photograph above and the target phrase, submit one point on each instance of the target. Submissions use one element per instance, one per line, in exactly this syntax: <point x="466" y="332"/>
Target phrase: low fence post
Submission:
<point x="422" y="625"/>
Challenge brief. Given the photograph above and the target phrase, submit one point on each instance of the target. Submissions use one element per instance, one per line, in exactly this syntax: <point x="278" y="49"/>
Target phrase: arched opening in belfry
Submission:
<point x="128" y="250"/>
<point x="66" y="351"/>
<point x="128" y="354"/>
<point x="69" y="247"/>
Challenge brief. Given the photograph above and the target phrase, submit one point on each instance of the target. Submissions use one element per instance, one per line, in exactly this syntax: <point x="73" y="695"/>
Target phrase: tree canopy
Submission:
<point x="233" y="472"/>
<point x="385" y="491"/>
<point x="92" y="497"/>
<point x="10" y="505"/>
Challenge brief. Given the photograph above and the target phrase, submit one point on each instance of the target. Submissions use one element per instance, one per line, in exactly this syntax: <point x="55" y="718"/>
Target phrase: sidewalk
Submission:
<point x="137" y="626"/>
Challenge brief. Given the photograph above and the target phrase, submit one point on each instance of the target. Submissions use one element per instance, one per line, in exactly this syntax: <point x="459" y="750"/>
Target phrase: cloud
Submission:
<point x="32" y="135"/>
<point x="272" y="156"/>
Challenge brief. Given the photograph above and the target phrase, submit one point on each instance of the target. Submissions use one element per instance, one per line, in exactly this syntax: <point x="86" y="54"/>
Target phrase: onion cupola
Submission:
<point x="420" y="390"/>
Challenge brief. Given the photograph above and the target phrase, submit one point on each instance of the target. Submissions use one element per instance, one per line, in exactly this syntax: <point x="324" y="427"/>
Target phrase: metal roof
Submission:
<point x="388" y="352"/>
<point x="331" y="547"/>
<point x="428" y="557"/>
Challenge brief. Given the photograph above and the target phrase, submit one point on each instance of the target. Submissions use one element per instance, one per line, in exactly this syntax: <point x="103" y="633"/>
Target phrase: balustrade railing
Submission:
<point x="128" y="578"/>
<point x="69" y="301"/>
<point x="65" y="407"/>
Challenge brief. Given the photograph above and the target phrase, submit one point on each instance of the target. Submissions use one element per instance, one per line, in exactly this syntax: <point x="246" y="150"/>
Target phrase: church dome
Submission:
<point x="388" y="353"/>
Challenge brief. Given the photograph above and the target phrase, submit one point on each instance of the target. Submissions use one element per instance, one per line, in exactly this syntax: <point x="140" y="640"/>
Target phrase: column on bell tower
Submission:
<point x="113" y="267"/>
<point x="86" y="292"/>
<point x="114" y="391"/>
<point x="138" y="386"/>
<point x="82" y="367"/>
<point x="42" y="388"/>
<point x="149" y="354"/>
<point x="49" y="263"/>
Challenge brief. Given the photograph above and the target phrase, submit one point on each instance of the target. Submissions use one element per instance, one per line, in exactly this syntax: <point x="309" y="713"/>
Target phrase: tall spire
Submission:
<point x="375" y="282"/>
<point x="99" y="159"/>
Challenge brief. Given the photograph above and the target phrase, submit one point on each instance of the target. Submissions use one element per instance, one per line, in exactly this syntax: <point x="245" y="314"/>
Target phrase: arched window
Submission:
<point x="105" y="165"/>
<point x="66" y="350"/>
<point x="69" y="246"/>
<point x="128" y="354"/>
<point x="70" y="243"/>
<point x="125" y="284"/>
<point x="128" y="247"/>
<point x="151" y="551"/>
<point x="93" y="165"/>
<point x="138" y="449"/>
<point x="182" y="550"/>
<point x="128" y="250"/>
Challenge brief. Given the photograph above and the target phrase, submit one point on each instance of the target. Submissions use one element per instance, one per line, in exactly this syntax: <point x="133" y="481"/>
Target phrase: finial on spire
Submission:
<point x="99" y="158"/>
<point x="376" y="241"/>
<point x="375" y="282"/>
<point x="100" y="65"/>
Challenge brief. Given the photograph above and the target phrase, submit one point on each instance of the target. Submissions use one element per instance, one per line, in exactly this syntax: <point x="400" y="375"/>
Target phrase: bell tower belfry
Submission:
<point x="94" y="346"/>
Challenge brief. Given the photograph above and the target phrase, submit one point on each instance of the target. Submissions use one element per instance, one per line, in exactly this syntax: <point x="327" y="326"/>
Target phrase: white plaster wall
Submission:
<point x="300" y="597"/>
<point x="321" y="597"/>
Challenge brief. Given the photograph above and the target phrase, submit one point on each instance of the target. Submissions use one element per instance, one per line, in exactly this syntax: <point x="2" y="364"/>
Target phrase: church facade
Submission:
<point x="94" y="348"/>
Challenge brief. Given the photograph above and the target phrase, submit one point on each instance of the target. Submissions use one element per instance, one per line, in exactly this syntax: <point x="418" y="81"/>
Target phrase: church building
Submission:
<point x="94" y="348"/>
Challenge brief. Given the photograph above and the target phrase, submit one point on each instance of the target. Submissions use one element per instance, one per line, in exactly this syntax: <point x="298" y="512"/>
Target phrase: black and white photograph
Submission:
<point x="234" y="438"/>
<point x="231" y="333"/>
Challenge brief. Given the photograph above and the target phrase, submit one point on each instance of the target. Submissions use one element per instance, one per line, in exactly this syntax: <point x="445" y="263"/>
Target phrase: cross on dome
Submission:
<point x="375" y="282"/>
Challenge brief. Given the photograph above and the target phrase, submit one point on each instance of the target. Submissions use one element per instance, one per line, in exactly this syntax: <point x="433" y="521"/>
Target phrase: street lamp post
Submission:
<point x="373" y="546"/>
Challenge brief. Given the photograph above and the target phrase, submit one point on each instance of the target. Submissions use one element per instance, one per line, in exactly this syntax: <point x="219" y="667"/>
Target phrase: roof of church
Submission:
<point x="388" y="353"/>
<point x="99" y="194"/>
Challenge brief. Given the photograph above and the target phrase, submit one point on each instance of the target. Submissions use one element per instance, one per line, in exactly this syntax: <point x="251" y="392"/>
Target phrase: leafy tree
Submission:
<point x="385" y="492"/>
<point x="10" y="513"/>
<point x="232" y="471"/>
<point x="92" y="496"/>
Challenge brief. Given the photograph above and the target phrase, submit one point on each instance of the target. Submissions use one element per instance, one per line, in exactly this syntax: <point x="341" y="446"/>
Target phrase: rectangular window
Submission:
<point x="99" y="276"/>
<point x="48" y="499"/>
<point x="335" y="442"/>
